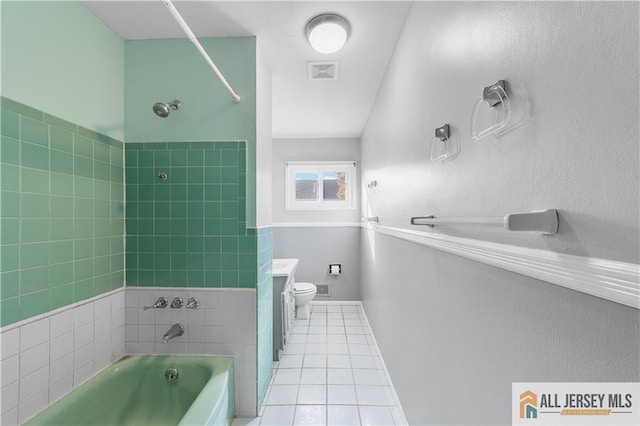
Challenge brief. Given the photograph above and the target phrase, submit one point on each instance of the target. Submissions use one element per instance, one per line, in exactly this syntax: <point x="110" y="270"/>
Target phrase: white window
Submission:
<point x="312" y="185"/>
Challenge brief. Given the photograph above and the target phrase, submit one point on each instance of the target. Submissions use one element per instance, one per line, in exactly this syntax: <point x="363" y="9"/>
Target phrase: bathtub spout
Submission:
<point x="175" y="331"/>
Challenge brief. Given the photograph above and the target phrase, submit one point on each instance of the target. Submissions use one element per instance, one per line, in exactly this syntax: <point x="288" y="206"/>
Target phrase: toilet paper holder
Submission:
<point x="335" y="269"/>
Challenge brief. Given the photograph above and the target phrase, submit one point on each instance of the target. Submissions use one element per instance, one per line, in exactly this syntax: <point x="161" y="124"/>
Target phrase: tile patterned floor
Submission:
<point x="330" y="374"/>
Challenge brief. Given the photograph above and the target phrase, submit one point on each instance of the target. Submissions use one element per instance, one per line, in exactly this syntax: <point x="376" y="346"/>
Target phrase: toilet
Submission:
<point x="303" y="293"/>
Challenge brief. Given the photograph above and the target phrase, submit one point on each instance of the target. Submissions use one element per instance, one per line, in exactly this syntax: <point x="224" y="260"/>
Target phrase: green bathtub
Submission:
<point x="135" y="391"/>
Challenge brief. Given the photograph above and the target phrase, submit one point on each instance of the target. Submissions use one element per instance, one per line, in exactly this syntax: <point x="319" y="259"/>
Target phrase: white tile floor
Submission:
<point x="330" y="374"/>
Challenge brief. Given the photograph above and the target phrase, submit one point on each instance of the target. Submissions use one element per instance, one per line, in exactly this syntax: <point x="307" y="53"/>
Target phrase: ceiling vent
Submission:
<point x="323" y="70"/>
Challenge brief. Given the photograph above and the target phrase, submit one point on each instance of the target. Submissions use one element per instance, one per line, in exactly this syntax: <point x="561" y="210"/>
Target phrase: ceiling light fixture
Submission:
<point x="327" y="33"/>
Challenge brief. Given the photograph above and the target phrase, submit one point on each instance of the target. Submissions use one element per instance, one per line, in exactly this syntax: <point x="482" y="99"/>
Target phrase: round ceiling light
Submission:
<point x="328" y="33"/>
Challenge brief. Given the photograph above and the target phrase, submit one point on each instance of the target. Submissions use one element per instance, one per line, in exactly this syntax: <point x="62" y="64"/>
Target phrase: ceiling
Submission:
<point x="301" y="108"/>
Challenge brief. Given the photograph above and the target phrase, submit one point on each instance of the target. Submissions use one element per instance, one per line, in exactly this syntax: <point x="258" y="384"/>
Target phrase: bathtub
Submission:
<point x="135" y="391"/>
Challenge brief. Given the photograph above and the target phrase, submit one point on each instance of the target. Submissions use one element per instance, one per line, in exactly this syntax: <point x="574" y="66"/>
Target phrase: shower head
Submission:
<point x="162" y="109"/>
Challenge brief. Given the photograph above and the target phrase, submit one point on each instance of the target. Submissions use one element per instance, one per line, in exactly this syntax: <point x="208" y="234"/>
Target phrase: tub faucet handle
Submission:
<point x="193" y="303"/>
<point x="160" y="303"/>
<point x="177" y="303"/>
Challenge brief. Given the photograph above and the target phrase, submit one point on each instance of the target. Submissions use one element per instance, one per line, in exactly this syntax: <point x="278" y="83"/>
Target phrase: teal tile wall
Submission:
<point x="188" y="230"/>
<point x="62" y="213"/>
<point x="265" y="312"/>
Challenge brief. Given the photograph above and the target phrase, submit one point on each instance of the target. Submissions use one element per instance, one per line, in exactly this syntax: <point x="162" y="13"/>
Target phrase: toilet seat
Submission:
<point x="303" y="294"/>
<point x="303" y="288"/>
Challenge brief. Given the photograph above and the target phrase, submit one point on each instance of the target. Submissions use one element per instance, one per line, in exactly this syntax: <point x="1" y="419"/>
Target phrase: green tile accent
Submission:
<point x="10" y="124"/>
<point x="61" y="162"/>
<point x="83" y="146"/>
<point x="36" y="254"/>
<point x="145" y="158"/>
<point x="10" y="258"/>
<point x="35" y="156"/>
<point x="84" y="288"/>
<point x="83" y="187"/>
<point x="34" y="230"/>
<point x="60" y="224"/>
<point x="61" y="184"/>
<point x="202" y="145"/>
<point x="10" y="310"/>
<point x="61" y="139"/>
<point x="162" y="158"/>
<point x="10" y="284"/>
<point x="101" y="246"/>
<point x="179" y="157"/>
<point x="35" y="303"/>
<point x="60" y="123"/>
<point x="61" y="296"/>
<point x="10" y="153"/>
<point x="212" y="157"/>
<point x="186" y="231"/>
<point x="226" y="145"/>
<point x="33" y="180"/>
<point x="115" y="143"/>
<point x="10" y="177"/>
<point x="87" y="133"/>
<point x="102" y="151"/>
<point x="82" y="166"/>
<point x="60" y="251"/>
<point x="83" y="208"/>
<point x="34" y="205"/>
<point x="177" y="175"/>
<point x="115" y="157"/>
<point x="18" y="108"/>
<point x="229" y="278"/>
<point x="34" y="131"/>
<point x="34" y="279"/>
<point x="9" y="204"/>
<point x="155" y="145"/>
<point x="230" y="174"/>
<point x="134" y="146"/>
<point x="61" y="229"/>
<point x="195" y="157"/>
<point x="10" y="231"/>
<point x="102" y="170"/>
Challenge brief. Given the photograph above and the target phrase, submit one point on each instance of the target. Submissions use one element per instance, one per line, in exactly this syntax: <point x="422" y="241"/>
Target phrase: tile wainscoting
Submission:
<point x="224" y="324"/>
<point x="45" y="357"/>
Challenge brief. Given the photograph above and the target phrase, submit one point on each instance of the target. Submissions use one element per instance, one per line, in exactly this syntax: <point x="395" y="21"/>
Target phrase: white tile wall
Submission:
<point x="225" y="324"/>
<point x="43" y="358"/>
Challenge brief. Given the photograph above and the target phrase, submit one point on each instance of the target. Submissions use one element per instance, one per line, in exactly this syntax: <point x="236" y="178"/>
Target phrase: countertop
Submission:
<point x="283" y="267"/>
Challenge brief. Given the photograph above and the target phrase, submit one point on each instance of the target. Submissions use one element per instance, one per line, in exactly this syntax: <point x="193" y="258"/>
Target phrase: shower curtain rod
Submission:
<point x="196" y="43"/>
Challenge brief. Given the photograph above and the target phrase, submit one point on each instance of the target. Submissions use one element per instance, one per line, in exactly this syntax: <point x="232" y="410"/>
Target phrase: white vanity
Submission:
<point x="284" y="303"/>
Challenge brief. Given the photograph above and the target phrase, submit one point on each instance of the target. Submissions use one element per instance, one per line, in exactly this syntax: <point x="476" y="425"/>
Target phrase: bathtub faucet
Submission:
<point x="175" y="331"/>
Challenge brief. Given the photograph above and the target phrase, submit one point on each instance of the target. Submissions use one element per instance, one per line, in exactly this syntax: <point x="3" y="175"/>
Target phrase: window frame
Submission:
<point x="349" y="168"/>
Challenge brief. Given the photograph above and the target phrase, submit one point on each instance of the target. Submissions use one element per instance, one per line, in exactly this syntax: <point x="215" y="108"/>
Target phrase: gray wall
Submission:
<point x="346" y="149"/>
<point x="330" y="242"/>
<point x="316" y="248"/>
<point x="577" y="62"/>
<point x="454" y="330"/>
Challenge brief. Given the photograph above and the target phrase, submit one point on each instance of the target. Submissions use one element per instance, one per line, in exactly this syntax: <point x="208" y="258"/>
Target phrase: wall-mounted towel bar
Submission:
<point x="541" y="222"/>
